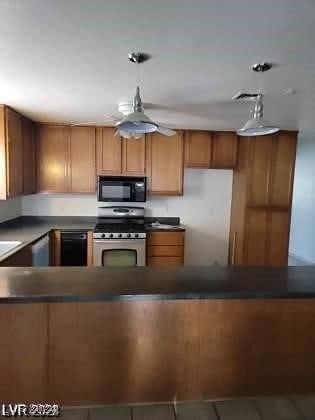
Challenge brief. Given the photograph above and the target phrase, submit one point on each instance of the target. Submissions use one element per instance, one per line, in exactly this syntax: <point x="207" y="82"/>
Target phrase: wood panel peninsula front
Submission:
<point x="97" y="336"/>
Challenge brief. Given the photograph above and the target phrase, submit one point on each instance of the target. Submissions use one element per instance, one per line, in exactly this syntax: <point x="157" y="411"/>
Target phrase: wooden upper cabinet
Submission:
<point x="29" y="168"/>
<point x="197" y="149"/>
<point x="165" y="161"/>
<point x="282" y="171"/>
<point x="133" y="157"/>
<point x="14" y="153"/>
<point x="52" y="158"/>
<point x="82" y="164"/>
<point x="17" y="154"/>
<point x="224" y="150"/>
<point x="108" y="151"/>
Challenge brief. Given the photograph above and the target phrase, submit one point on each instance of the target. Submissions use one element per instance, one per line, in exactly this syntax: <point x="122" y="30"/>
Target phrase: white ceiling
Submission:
<point x="66" y="60"/>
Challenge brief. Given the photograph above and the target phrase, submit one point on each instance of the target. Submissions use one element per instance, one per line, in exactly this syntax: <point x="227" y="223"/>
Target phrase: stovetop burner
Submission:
<point x="128" y="228"/>
<point x="120" y="223"/>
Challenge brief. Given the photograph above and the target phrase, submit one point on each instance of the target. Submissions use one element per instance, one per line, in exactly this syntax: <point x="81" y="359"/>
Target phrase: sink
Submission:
<point x="6" y="246"/>
<point x="162" y="226"/>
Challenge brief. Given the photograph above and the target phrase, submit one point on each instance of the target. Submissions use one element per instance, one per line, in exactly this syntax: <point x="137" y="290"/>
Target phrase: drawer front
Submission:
<point x="165" y="238"/>
<point x="165" y="251"/>
<point x="165" y="261"/>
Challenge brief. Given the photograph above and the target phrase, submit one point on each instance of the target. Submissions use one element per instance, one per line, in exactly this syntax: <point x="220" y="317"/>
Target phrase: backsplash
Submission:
<point x="9" y="209"/>
<point x="204" y="210"/>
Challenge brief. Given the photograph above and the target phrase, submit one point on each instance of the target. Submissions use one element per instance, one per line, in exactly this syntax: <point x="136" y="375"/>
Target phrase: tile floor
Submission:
<point x="280" y="408"/>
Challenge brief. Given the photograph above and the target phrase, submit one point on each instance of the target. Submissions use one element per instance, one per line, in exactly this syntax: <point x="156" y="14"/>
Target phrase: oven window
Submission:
<point x="116" y="192"/>
<point x="119" y="258"/>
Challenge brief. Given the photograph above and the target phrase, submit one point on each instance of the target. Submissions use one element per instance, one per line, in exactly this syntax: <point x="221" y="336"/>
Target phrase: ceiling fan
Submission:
<point x="135" y="123"/>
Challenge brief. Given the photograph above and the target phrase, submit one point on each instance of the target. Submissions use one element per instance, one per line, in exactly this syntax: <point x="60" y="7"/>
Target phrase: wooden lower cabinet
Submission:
<point x="165" y="248"/>
<point x="165" y="261"/>
<point x="88" y="353"/>
<point x="22" y="258"/>
<point x="24" y="357"/>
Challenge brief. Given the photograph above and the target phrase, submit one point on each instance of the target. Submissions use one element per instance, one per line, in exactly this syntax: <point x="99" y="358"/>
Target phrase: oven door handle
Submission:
<point x="116" y="241"/>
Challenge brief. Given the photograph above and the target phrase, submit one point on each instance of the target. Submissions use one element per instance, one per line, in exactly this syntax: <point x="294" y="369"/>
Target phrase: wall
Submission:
<point x="302" y="239"/>
<point x="204" y="209"/>
<point x="9" y="209"/>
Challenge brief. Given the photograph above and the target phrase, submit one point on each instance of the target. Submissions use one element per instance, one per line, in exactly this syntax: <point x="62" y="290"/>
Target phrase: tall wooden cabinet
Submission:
<point x="66" y="159"/>
<point x="165" y="164"/>
<point x="261" y="200"/>
<point x="16" y="169"/>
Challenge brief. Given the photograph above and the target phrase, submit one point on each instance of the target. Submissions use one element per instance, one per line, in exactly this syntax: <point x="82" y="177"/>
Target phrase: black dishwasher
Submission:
<point x="73" y="250"/>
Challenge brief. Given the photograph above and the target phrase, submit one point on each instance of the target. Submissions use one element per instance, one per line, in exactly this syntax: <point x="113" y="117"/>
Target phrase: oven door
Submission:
<point x="119" y="253"/>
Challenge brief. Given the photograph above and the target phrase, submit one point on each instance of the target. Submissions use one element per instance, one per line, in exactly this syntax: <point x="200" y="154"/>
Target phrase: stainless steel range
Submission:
<point x="119" y="239"/>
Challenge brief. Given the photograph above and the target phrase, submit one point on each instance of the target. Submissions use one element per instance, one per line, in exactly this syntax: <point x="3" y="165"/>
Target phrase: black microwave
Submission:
<point x="122" y="189"/>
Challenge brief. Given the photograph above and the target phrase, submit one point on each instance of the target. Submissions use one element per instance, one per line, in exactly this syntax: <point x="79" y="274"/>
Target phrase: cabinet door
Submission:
<point x="165" y="160"/>
<point x="108" y="151"/>
<point x="29" y="169"/>
<point x="133" y="156"/>
<point x="278" y="238"/>
<point x="224" y="150"/>
<point x="197" y="149"/>
<point x="260" y="160"/>
<point x="52" y="157"/>
<point x="281" y="180"/>
<point x="165" y="261"/>
<point x="256" y="235"/>
<point x="14" y="153"/>
<point x="82" y="165"/>
<point x="266" y="238"/>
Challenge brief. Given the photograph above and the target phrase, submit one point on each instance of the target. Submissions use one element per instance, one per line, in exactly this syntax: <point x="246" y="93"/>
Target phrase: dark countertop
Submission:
<point x="29" y="229"/>
<point x="67" y="284"/>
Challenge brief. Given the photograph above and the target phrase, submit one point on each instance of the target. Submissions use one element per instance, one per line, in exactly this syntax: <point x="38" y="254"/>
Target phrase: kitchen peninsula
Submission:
<point x="93" y="335"/>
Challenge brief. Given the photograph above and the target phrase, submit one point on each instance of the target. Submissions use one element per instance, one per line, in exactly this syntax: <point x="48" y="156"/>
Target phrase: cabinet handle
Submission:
<point x="233" y="248"/>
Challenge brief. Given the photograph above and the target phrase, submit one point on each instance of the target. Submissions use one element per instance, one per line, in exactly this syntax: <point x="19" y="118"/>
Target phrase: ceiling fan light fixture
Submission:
<point x="138" y="123"/>
<point x="258" y="126"/>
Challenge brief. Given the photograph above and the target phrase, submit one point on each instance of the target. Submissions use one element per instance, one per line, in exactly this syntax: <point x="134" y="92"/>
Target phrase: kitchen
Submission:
<point x="150" y="205"/>
<point x="64" y="153"/>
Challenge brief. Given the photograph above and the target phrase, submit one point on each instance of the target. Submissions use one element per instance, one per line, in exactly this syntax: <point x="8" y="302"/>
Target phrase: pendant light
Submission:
<point x="136" y="124"/>
<point x="257" y="125"/>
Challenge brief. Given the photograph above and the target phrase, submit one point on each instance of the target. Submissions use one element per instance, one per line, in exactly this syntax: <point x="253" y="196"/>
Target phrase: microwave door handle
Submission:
<point x="133" y="191"/>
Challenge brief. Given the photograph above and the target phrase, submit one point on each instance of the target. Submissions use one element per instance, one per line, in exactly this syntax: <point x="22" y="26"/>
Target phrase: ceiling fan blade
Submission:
<point x="166" y="131"/>
<point x="112" y="117"/>
<point x="86" y="123"/>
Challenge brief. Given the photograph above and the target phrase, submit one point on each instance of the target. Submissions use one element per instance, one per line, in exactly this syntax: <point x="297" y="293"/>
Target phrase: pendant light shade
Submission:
<point x="258" y="126"/>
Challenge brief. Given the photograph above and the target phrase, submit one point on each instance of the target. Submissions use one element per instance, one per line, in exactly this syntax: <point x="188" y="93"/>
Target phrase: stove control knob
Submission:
<point x="103" y="235"/>
<point x="136" y="235"/>
<point x="128" y="235"/>
<point x="111" y="235"/>
<point x="120" y="235"/>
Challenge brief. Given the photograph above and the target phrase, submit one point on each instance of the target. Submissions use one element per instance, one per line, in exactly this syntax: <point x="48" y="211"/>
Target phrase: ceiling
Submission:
<point x="66" y="60"/>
